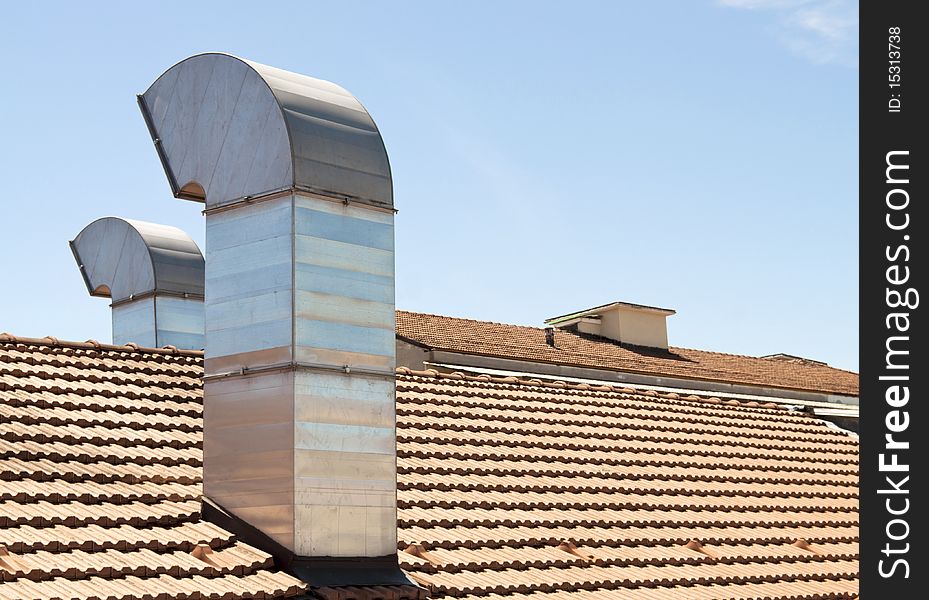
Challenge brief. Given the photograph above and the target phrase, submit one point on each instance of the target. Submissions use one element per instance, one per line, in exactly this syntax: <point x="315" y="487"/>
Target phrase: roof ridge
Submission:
<point x="749" y="356"/>
<point x="670" y="348"/>
<point x="131" y="347"/>
<point x="513" y="380"/>
<point x="425" y="314"/>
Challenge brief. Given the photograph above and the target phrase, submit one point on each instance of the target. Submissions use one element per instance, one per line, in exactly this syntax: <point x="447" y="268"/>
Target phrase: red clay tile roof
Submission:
<point x="528" y="343"/>
<point x="507" y="489"/>
<point x="519" y="487"/>
<point x="100" y="473"/>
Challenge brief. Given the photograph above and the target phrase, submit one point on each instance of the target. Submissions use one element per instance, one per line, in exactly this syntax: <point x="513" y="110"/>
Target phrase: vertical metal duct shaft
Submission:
<point x="299" y="407"/>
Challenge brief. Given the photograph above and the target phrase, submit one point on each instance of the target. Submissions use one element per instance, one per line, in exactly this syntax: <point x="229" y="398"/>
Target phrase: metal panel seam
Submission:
<point x="200" y="103"/>
<point x="225" y="137"/>
<point x="280" y="107"/>
<point x="151" y="259"/>
<point x="377" y="130"/>
<point x="81" y="268"/>
<point x="293" y="345"/>
<point x="153" y="133"/>
<point x="155" y="314"/>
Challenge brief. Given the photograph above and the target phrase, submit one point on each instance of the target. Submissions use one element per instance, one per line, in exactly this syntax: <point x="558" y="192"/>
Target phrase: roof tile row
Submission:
<point x="542" y="490"/>
<point x="100" y="471"/>
<point x="505" y="486"/>
<point x="467" y="336"/>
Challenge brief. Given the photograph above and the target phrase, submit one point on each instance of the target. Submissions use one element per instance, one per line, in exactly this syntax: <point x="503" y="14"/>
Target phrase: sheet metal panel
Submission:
<point x="194" y="107"/>
<point x="356" y="360"/>
<point x="179" y="322"/>
<point x="345" y="227"/>
<point x="239" y="128"/>
<point x="334" y="307"/>
<point x="344" y="464"/>
<point x="344" y="243"/>
<point x="343" y="530"/>
<point x="135" y="322"/>
<point x="135" y="257"/>
<point x="248" y="450"/>
<point x="345" y="440"/>
<point x="249" y="128"/>
<point x="345" y="437"/>
<point x="100" y="247"/>
<point x="249" y="283"/>
<point x="335" y="144"/>
<point x="205" y="139"/>
<point x="347" y="257"/>
<point x="329" y="335"/>
<point x="158" y="321"/>
<point x="340" y="399"/>
<point x="345" y="283"/>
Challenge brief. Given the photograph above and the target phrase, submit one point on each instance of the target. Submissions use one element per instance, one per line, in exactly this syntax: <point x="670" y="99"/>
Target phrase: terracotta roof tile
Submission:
<point x="507" y="488"/>
<point x="100" y="471"/>
<point x="528" y="343"/>
<point x="511" y="487"/>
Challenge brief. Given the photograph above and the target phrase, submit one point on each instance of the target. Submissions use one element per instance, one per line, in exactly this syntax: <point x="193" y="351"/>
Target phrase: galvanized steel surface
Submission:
<point x="344" y="286"/>
<point x="179" y="322"/>
<point x="301" y="279"/>
<point x="121" y="258"/>
<point x="157" y="321"/>
<point x="135" y="322"/>
<point x="249" y="287"/>
<point x="227" y="128"/>
<point x="154" y="274"/>
<point x="299" y="401"/>
<point x="344" y="422"/>
<point x="248" y="450"/>
<point x="307" y="454"/>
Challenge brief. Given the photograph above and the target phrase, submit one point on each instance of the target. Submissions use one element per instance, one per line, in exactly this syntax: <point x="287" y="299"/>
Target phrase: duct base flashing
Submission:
<point x="323" y="571"/>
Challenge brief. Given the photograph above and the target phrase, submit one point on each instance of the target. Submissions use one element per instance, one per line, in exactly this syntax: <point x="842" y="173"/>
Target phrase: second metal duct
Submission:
<point x="154" y="275"/>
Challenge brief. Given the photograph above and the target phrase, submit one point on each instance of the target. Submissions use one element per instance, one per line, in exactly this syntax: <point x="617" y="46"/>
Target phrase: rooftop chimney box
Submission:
<point x="299" y="397"/>
<point x="624" y="322"/>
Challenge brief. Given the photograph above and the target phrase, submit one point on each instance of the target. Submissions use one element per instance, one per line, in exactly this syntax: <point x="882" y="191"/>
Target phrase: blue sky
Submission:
<point x="547" y="157"/>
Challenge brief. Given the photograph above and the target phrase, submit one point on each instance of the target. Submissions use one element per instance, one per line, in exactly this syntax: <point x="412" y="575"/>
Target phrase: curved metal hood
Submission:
<point x="228" y="128"/>
<point x="155" y="276"/>
<point x="121" y="258"/>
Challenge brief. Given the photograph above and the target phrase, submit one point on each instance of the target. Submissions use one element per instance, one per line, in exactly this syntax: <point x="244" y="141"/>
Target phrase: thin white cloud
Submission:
<point x="822" y="31"/>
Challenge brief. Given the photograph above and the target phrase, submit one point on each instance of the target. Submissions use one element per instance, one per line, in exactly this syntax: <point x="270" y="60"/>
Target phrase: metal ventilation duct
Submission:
<point x="299" y="398"/>
<point x="153" y="273"/>
<point x="228" y="128"/>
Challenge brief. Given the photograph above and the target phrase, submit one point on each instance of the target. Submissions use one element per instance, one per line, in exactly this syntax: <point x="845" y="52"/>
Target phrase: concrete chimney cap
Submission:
<point x="122" y="258"/>
<point x="228" y="129"/>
